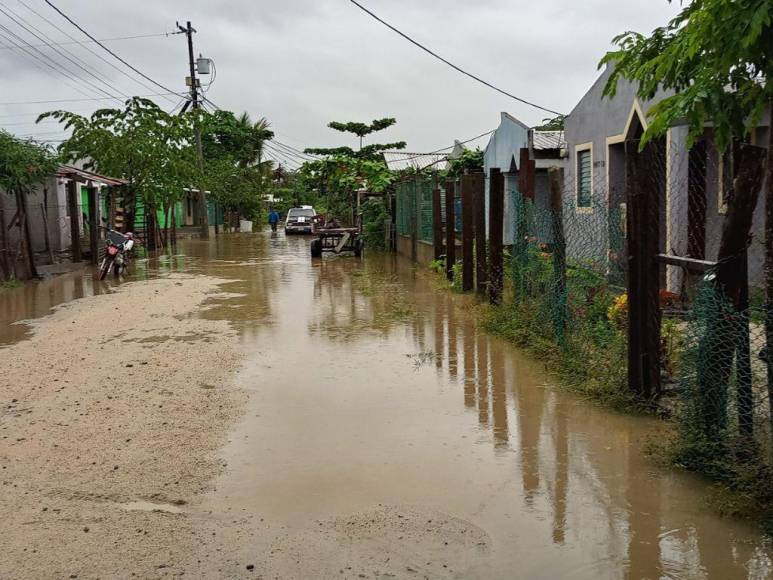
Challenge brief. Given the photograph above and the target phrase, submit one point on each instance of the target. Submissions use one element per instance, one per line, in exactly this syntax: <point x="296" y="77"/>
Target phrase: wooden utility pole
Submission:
<point x="72" y="204"/>
<point x="644" y="313"/>
<point x="437" y="222"/>
<point x="450" y="229"/>
<point x="93" y="221"/>
<point x="468" y="232"/>
<point x="203" y="217"/>
<point x="556" y="182"/>
<point x="496" y="234"/>
<point x="481" y="268"/>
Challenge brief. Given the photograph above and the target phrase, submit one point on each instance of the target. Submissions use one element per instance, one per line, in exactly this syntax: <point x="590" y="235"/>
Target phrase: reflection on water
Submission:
<point x="349" y="419"/>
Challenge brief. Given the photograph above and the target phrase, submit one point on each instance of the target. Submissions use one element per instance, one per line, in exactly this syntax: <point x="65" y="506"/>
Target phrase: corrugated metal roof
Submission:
<point x="549" y="140"/>
<point x="69" y="171"/>
<point x="400" y="160"/>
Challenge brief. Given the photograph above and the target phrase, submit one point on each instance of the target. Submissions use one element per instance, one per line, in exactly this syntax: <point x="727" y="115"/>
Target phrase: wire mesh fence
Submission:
<point x="643" y="282"/>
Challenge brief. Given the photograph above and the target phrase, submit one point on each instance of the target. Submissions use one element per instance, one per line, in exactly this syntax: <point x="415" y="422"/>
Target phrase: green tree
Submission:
<point x="714" y="61"/>
<point x="23" y="165"/>
<point x="717" y="58"/>
<point x="372" y="152"/>
<point x="141" y="143"/>
<point x="470" y="161"/>
<point x="342" y="172"/>
<point x="236" y="174"/>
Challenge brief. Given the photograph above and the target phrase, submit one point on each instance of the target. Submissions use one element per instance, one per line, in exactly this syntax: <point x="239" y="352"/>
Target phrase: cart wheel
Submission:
<point x="358" y="245"/>
<point x="316" y="248"/>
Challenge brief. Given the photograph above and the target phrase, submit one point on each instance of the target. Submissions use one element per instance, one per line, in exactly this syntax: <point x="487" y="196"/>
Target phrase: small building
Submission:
<point x="690" y="185"/>
<point x="48" y="211"/>
<point x="524" y="156"/>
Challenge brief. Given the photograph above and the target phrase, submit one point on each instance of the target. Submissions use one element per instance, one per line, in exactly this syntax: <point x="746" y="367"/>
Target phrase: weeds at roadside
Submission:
<point x="11" y="284"/>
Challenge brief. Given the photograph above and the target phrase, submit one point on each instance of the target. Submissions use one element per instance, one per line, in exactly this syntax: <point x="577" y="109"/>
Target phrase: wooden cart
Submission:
<point x="337" y="240"/>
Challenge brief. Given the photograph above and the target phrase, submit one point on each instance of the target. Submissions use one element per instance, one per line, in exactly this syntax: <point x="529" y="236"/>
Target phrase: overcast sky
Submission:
<point x="303" y="63"/>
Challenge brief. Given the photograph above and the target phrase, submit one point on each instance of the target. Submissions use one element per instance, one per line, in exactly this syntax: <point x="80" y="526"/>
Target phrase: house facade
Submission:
<point x="690" y="185"/>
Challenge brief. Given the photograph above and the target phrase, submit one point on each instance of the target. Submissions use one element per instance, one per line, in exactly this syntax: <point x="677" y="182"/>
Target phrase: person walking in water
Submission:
<point x="273" y="219"/>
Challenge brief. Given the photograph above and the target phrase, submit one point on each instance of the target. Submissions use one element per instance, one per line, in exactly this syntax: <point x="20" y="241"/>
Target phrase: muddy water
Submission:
<point x="359" y="403"/>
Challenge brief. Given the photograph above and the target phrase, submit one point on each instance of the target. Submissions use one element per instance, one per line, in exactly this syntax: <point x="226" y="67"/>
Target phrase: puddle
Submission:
<point x="389" y="394"/>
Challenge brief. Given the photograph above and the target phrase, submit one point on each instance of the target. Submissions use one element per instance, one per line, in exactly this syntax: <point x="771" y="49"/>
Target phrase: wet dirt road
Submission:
<point x="365" y="428"/>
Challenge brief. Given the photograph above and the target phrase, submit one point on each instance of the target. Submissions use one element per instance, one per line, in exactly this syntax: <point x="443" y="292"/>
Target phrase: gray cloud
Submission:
<point x="302" y="63"/>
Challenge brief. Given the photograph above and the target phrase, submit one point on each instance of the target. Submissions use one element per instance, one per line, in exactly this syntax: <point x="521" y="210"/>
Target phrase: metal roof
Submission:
<point x="70" y="172"/>
<point x="548" y="140"/>
<point x="400" y="160"/>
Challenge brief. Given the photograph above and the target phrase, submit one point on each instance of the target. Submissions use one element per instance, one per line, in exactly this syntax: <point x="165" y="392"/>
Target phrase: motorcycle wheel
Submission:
<point x="104" y="268"/>
<point x="117" y="269"/>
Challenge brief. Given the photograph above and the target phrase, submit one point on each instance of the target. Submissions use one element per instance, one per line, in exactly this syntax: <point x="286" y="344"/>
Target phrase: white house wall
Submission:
<point x="505" y="144"/>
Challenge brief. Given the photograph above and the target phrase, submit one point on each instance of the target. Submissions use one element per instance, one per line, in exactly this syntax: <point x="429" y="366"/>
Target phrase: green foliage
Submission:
<point x="438" y="266"/>
<point x="369" y="152"/>
<point x="374" y="215"/>
<point x="141" y="143"/>
<point x="554" y="124"/>
<point x="235" y="173"/>
<point x="23" y="164"/>
<point x="362" y="129"/>
<point x="238" y="138"/>
<point x="11" y="284"/>
<point x="471" y="161"/>
<point x="717" y="58"/>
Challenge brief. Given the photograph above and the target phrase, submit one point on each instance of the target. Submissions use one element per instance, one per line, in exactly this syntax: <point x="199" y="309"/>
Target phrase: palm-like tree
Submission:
<point x="258" y="133"/>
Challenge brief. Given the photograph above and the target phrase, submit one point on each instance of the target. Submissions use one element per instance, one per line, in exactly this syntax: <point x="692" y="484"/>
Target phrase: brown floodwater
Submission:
<point x="370" y="386"/>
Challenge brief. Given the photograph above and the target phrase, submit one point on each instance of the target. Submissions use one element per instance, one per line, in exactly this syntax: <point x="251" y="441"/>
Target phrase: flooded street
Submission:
<point x="358" y="424"/>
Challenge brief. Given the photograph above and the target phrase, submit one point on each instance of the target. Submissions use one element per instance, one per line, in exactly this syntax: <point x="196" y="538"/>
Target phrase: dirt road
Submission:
<point x="239" y="411"/>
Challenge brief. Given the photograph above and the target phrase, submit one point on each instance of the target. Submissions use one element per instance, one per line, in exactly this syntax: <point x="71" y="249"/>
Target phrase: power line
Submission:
<point x="83" y="42"/>
<point x="76" y="25"/>
<point x="80" y="100"/>
<point x="66" y="54"/>
<point x="36" y="59"/>
<point x="449" y="63"/>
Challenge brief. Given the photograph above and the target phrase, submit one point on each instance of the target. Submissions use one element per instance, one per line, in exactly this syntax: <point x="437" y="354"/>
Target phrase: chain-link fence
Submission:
<point x="643" y="282"/>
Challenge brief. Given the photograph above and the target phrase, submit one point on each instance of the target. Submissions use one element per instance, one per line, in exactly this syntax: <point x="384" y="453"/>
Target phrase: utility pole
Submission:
<point x="203" y="218"/>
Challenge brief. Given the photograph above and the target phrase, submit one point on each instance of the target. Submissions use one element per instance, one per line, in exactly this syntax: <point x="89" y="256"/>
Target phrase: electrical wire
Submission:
<point x="82" y="42"/>
<point x="452" y="65"/>
<point x="113" y="54"/>
<point x="95" y="53"/>
<point x="80" y="100"/>
<point x="63" y="52"/>
<point x="36" y="60"/>
<point x="288" y="158"/>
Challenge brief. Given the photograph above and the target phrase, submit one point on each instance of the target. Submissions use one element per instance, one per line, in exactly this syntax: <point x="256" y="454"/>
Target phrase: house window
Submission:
<point x="725" y="175"/>
<point x="584" y="172"/>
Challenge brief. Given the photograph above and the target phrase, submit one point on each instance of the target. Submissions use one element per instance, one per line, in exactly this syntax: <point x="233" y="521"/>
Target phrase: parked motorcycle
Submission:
<point x="118" y="248"/>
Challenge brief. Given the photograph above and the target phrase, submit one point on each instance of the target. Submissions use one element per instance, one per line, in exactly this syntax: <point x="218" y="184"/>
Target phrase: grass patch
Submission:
<point x="11" y="284"/>
<point x="588" y="362"/>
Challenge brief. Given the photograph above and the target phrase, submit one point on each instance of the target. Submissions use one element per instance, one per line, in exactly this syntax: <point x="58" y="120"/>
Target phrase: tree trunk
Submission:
<point x="150" y="226"/>
<point x="725" y="327"/>
<point x="4" y="262"/>
<point x="769" y="268"/>
<point x="24" y="232"/>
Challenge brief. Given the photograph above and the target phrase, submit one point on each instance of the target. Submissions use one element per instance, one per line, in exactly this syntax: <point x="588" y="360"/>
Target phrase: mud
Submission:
<point x="327" y="418"/>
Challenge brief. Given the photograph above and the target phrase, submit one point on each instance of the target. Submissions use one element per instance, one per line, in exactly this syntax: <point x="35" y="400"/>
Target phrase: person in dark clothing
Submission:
<point x="273" y="219"/>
